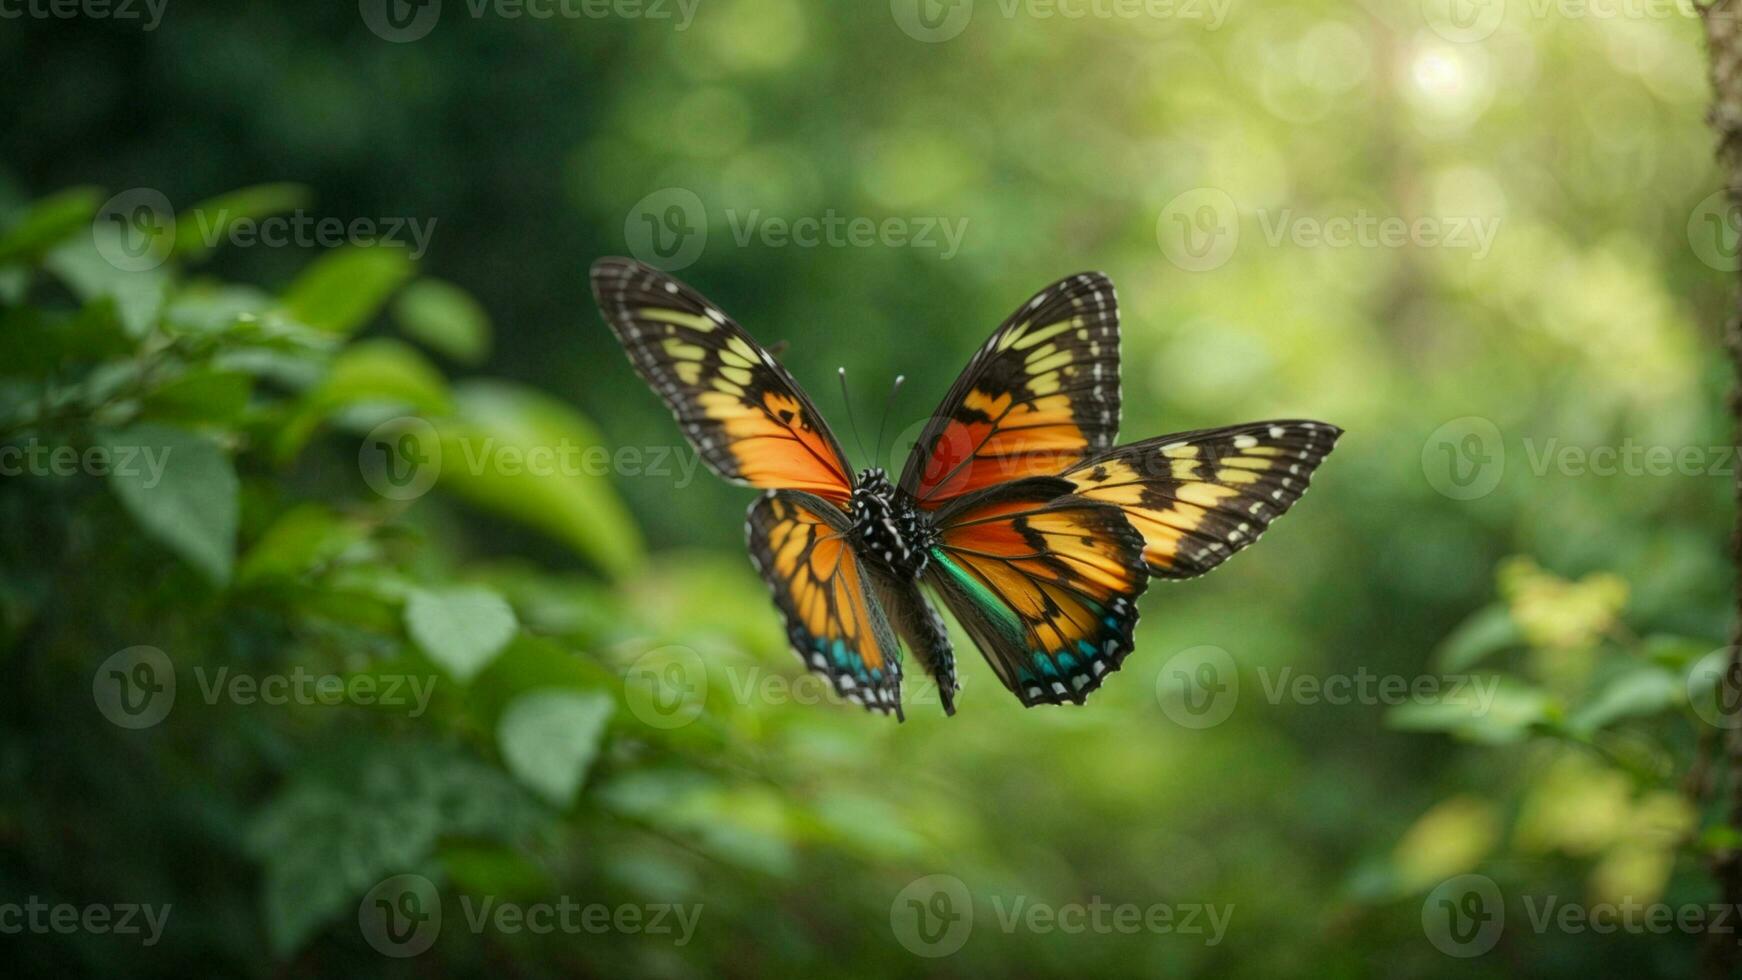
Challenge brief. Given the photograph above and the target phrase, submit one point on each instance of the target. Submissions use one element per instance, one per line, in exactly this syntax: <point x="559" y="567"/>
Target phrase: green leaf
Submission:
<point x="138" y="294"/>
<point x="360" y="813"/>
<point x="1637" y="693"/>
<point x="386" y="375"/>
<point x="301" y="540"/>
<point x="1491" y="710"/>
<point x="1486" y="632"/>
<point x="1674" y="652"/>
<point x="49" y="222"/>
<point x="343" y="289"/>
<point x="445" y="318"/>
<point x="181" y="490"/>
<point x="461" y="628"/>
<point x="549" y="739"/>
<point x="201" y="396"/>
<point x="497" y="425"/>
<point x="34" y="343"/>
<point x="205" y="225"/>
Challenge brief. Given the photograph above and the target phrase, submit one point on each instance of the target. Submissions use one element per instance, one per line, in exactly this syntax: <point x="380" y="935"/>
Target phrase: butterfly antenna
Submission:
<point x="848" y="401"/>
<point x="888" y="403"/>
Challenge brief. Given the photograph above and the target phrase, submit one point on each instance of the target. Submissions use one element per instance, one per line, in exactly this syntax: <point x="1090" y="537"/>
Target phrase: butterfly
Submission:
<point x="1015" y="507"/>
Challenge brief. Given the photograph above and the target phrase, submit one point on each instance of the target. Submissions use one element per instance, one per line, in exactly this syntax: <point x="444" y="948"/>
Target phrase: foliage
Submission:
<point x="611" y="711"/>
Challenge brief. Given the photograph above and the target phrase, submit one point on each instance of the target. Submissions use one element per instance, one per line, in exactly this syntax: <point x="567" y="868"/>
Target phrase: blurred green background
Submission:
<point x="1469" y="651"/>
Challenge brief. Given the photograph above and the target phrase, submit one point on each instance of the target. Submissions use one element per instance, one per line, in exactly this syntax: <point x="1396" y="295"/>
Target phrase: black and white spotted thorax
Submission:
<point x="888" y="529"/>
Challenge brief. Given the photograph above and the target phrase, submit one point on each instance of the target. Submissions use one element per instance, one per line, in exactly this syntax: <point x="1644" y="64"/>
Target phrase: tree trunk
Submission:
<point x="1721" y="954"/>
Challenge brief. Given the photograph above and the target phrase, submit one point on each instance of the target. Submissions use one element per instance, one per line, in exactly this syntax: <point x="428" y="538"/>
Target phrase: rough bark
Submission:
<point x="1721" y="954"/>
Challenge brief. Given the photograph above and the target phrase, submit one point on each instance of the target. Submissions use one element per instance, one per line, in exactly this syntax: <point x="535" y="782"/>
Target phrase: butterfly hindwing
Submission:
<point x="1045" y="582"/>
<point x="800" y="544"/>
<point x="742" y="411"/>
<point x="1199" y="497"/>
<point x="1042" y="393"/>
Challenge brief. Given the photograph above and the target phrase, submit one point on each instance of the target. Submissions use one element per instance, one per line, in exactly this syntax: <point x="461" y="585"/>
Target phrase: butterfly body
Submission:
<point x="890" y="531"/>
<point x="1015" y="506"/>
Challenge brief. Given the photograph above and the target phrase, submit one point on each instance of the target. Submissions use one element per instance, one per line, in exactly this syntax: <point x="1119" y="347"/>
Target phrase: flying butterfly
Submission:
<point x="1014" y="507"/>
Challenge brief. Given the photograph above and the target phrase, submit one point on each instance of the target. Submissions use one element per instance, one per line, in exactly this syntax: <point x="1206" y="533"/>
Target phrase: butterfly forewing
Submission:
<point x="1199" y="497"/>
<point x="1040" y="394"/>
<point x="742" y="411"/>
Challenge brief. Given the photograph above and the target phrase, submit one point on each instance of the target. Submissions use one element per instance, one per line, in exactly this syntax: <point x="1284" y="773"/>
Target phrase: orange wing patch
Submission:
<point x="1041" y="393"/>
<point x="833" y="620"/>
<point x="744" y="414"/>
<point x="1199" y="497"/>
<point x="1046" y="585"/>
